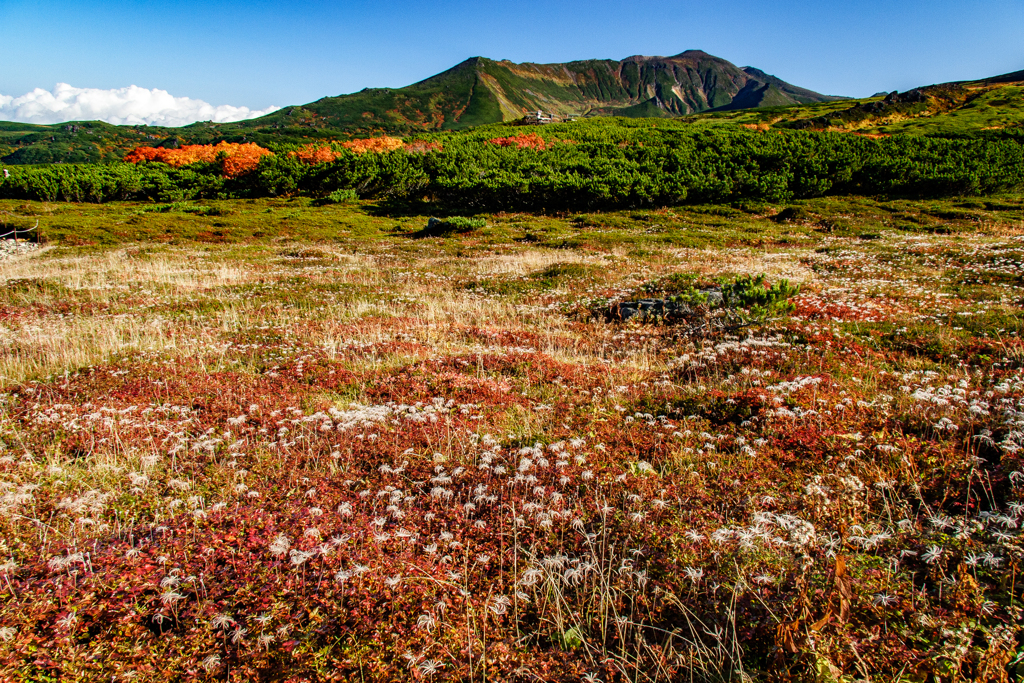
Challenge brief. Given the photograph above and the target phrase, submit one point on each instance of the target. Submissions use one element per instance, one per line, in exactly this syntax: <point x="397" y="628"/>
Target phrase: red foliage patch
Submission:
<point x="525" y="141"/>
<point x="810" y="307"/>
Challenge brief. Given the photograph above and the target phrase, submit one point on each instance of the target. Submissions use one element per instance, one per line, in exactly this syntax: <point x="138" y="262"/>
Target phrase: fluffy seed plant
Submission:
<point x="371" y="463"/>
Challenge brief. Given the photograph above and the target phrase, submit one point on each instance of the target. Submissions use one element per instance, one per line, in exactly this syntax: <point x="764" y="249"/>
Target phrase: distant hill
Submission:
<point x="81" y="142"/>
<point x="992" y="106"/>
<point x="480" y="91"/>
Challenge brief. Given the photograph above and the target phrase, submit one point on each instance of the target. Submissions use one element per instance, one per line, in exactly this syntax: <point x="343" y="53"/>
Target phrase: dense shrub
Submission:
<point x="454" y="224"/>
<point x="609" y="164"/>
<point x="762" y="299"/>
<point x="340" y="197"/>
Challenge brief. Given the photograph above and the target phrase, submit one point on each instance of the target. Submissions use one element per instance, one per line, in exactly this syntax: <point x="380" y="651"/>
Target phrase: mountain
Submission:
<point x="480" y="91"/>
<point x="693" y="85"/>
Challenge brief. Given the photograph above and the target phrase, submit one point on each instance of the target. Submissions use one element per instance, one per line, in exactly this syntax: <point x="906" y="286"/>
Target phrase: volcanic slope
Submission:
<point x="480" y="91"/>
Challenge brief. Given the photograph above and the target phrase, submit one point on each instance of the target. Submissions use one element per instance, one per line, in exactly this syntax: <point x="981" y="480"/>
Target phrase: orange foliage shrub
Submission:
<point x="239" y="159"/>
<point x="528" y="141"/>
<point x="384" y="144"/>
<point x="314" y="154"/>
<point x="190" y="154"/>
<point x="244" y="159"/>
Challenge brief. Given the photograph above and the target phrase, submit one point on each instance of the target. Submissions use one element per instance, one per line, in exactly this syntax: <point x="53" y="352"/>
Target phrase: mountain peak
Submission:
<point x="695" y="54"/>
<point x="685" y="55"/>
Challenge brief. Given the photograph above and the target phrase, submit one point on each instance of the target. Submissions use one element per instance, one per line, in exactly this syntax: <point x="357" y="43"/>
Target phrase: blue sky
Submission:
<point x="258" y="53"/>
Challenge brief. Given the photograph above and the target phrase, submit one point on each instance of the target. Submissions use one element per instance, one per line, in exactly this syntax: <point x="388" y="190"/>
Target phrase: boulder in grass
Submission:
<point x="662" y="310"/>
<point x="648" y="310"/>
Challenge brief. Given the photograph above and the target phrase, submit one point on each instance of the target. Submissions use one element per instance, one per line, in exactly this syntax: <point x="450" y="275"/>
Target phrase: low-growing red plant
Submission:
<point x="525" y="141"/>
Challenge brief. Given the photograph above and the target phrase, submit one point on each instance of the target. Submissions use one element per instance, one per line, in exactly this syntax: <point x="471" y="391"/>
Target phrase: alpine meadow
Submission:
<point x="646" y="370"/>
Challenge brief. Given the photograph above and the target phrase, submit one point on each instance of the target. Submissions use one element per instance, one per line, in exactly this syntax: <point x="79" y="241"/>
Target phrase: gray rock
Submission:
<point x="659" y="310"/>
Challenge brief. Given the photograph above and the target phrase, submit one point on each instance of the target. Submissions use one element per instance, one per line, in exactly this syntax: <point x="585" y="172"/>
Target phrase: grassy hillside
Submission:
<point x="79" y="142"/>
<point x="88" y="142"/>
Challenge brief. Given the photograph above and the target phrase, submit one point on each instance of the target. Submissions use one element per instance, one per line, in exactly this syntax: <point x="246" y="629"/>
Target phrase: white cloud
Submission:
<point x="132" y="105"/>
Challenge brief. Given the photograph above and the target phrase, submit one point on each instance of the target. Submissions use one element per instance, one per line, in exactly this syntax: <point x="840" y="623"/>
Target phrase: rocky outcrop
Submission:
<point x="661" y="310"/>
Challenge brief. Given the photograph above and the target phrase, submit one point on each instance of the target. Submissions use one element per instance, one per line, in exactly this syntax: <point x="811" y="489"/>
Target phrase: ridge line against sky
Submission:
<point x="249" y="57"/>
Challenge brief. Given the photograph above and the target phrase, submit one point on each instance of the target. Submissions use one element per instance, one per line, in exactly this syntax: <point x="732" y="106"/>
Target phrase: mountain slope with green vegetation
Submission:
<point x="482" y="90"/>
<point x="993" y="107"/>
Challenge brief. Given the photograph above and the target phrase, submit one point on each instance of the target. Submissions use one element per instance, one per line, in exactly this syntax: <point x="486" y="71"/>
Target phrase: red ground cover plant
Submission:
<point x="391" y="495"/>
<point x="524" y="141"/>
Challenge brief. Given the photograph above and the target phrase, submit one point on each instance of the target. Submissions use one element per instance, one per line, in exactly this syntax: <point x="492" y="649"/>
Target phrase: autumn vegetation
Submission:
<point x="313" y="154"/>
<point x="523" y="141"/>
<point x="234" y="159"/>
<point x="378" y="145"/>
<point x="280" y="440"/>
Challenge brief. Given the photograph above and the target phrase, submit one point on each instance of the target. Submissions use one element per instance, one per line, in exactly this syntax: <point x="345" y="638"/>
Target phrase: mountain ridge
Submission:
<point x="481" y="90"/>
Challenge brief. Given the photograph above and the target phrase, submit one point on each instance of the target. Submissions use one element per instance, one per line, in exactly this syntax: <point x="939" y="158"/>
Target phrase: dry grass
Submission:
<point x="774" y="264"/>
<point x="529" y="261"/>
<point x="109" y="287"/>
